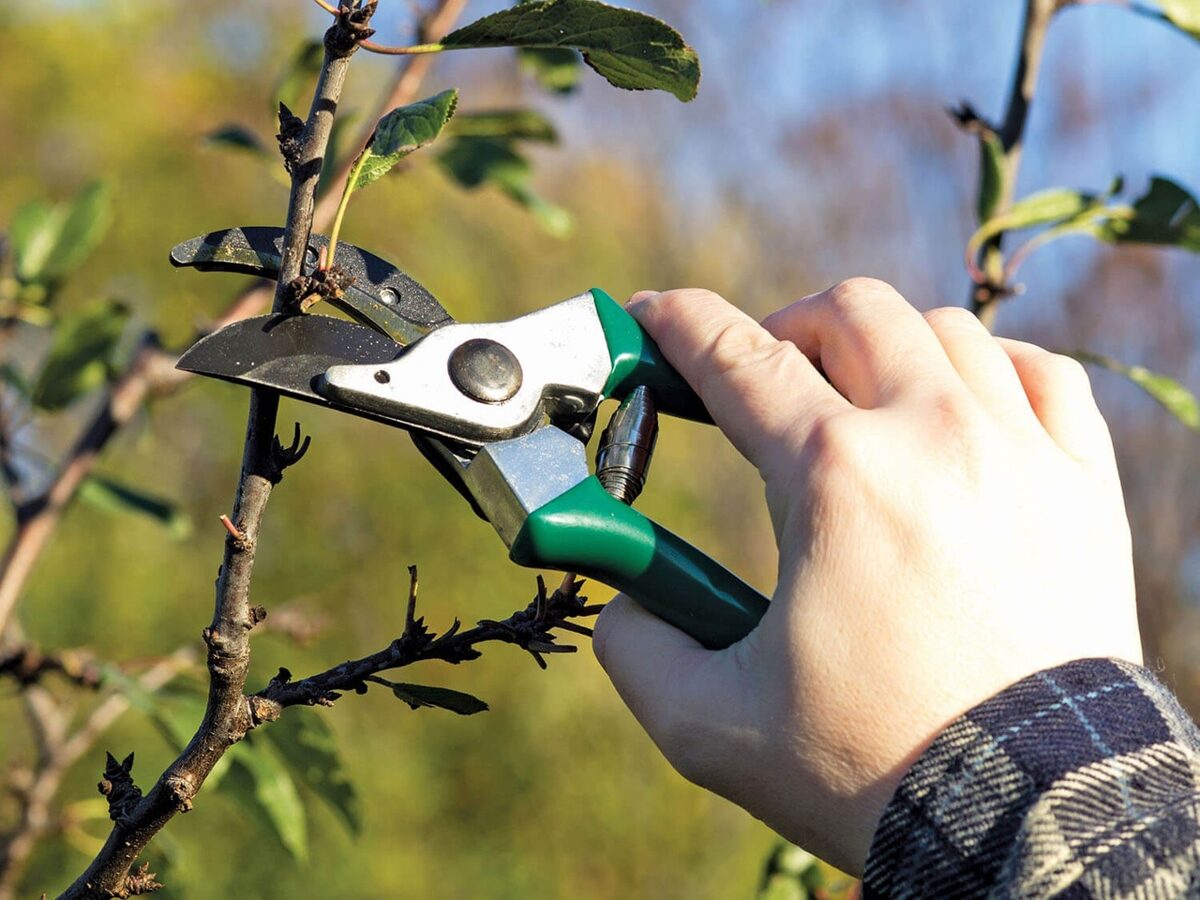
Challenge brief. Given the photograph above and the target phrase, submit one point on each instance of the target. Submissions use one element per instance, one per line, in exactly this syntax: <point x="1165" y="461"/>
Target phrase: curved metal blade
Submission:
<point x="381" y="296"/>
<point x="288" y="354"/>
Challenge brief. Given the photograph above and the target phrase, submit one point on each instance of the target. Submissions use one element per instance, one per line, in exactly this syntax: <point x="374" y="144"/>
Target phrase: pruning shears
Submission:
<point x="503" y="410"/>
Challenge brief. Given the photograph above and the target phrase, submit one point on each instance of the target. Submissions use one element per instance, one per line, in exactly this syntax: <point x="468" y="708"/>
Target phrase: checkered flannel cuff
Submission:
<point x="1079" y="781"/>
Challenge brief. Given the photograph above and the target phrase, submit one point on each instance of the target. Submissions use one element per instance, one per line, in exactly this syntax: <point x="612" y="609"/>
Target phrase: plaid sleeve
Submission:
<point x="1079" y="781"/>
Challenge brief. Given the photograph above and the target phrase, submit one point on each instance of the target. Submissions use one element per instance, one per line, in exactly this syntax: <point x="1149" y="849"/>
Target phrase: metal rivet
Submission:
<point x="382" y="377"/>
<point x="485" y="370"/>
<point x="389" y="297"/>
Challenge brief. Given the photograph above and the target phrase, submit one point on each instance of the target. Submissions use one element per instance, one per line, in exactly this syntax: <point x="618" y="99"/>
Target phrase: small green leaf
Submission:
<point x="33" y="232"/>
<point x="308" y="746"/>
<point x="472" y="162"/>
<point x="113" y="497"/>
<point x="475" y="161"/>
<point x="1053" y="206"/>
<point x="81" y="354"/>
<point x="1183" y="14"/>
<point x="418" y="695"/>
<point x="259" y="782"/>
<point x="301" y="69"/>
<point x="630" y="49"/>
<point x="507" y="124"/>
<point x="402" y="131"/>
<point x="238" y="137"/>
<point x="991" y="175"/>
<point x="557" y="69"/>
<point x="1170" y="394"/>
<point x="1166" y="214"/>
<point x="49" y="241"/>
<point x="87" y="219"/>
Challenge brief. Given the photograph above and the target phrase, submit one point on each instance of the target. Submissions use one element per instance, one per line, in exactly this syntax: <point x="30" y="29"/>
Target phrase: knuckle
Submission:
<point x="855" y="291"/>
<point x="834" y="447"/>
<point x="736" y="345"/>
<point x="680" y="300"/>
<point x="945" y="317"/>
<point x="1068" y="372"/>
<point x="1052" y="373"/>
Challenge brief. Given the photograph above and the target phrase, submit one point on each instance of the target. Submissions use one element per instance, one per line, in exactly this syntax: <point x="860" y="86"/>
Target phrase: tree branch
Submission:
<point x="27" y="664"/>
<point x="227" y="718"/>
<point x="985" y="298"/>
<point x="530" y="628"/>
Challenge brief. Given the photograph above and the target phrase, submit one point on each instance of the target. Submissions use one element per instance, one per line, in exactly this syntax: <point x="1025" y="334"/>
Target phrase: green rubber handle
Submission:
<point x="636" y="361"/>
<point x="585" y="530"/>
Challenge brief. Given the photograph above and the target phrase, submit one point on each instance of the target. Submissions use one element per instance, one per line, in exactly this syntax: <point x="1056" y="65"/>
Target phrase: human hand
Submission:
<point x="949" y="520"/>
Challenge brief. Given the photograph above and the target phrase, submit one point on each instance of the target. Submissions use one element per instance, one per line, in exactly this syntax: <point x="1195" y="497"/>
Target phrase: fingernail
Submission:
<point x="638" y="300"/>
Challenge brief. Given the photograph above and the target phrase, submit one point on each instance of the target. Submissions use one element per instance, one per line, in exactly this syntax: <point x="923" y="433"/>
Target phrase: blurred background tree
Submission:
<point x="818" y="149"/>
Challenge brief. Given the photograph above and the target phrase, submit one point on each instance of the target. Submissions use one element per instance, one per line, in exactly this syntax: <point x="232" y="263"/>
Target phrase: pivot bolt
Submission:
<point x="485" y="370"/>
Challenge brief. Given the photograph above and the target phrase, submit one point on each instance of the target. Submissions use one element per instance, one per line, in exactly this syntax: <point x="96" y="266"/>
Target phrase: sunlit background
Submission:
<point x="819" y="148"/>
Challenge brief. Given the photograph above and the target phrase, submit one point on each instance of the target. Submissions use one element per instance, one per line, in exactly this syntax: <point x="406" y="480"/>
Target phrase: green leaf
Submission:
<point x="50" y="241"/>
<point x="472" y="162"/>
<point x="113" y="497"/>
<point x="301" y="69"/>
<point x="33" y="232"/>
<point x="507" y="124"/>
<point x="1054" y="206"/>
<point x="308" y="746"/>
<point x="402" y="131"/>
<point x="81" y="354"/>
<point x="259" y="782"/>
<point x="1183" y="14"/>
<point x="1169" y="393"/>
<point x="475" y="161"/>
<point x="630" y="49"/>
<point x="87" y="219"/>
<point x="991" y="175"/>
<point x="238" y="137"/>
<point x="1166" y="214"/>
<point x="557" y="69"/>
<point x="418" y="695"/>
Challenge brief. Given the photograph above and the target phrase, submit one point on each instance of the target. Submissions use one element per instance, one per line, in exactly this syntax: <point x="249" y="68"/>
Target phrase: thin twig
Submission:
<point x="984" y="299"/>
<point x="28" y="664"/>
<point x="410" y="75"/>
<point x="530" y="628"/>
<point x="412" y="50"/>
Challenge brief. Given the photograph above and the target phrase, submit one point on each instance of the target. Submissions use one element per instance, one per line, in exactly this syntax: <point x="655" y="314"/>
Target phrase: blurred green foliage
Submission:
<point x="553" y="792"/>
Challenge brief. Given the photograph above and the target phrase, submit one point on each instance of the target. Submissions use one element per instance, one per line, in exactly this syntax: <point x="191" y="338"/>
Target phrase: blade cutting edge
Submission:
<point x="289" y="354"/>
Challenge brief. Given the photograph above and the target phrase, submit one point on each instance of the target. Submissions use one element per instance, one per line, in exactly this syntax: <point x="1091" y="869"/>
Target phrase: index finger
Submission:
<point x="763" y="393"/>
